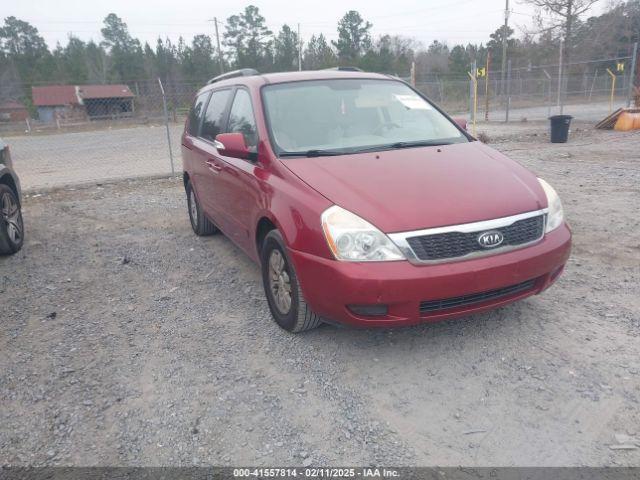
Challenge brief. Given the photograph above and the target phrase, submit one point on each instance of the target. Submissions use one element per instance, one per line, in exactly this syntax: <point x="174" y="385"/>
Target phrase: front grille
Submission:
<point x="433" y="306"/>
<point x="458" y="244"/>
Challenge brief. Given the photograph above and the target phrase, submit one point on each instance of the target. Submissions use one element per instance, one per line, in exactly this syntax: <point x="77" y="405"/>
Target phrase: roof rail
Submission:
<point x="243" y="72"/>
<point x="346" y="69"/>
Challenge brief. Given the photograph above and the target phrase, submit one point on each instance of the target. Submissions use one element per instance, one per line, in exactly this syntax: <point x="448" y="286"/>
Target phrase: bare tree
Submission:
<point x="563" y="15"/>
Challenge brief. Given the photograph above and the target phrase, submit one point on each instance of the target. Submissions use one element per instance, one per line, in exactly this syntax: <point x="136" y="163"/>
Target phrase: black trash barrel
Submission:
<point x="560" y="128"/>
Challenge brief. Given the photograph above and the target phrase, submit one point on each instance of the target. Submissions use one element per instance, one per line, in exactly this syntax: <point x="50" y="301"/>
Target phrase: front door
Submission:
<point x="210" y="162"/>
<point x="238" y="184"/>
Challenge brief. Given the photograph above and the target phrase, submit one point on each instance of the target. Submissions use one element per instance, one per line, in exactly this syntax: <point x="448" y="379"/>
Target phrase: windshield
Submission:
<point x="351" y="115"/>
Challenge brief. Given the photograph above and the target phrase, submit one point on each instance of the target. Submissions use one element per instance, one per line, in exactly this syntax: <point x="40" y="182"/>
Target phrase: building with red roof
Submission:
<point x="12" y="111"/>
<point x="82" y="102"/>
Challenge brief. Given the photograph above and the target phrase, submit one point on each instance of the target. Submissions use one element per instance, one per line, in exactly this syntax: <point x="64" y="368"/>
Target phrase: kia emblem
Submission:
<point x="490" y="239"/>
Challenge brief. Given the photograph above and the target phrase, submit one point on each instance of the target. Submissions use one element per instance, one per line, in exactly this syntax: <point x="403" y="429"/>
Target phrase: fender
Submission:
<point x="295" y="210"/>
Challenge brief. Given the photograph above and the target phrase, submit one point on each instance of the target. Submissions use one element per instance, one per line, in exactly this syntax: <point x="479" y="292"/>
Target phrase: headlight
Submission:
<point x="353" y="239"/>
<point x="556" y="214"/>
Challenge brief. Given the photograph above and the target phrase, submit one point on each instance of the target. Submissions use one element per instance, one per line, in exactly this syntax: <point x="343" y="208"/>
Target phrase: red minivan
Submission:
<point x="363" y="202"/>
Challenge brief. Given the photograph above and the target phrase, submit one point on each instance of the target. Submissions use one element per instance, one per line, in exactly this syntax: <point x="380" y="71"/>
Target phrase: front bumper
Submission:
<point x="329" y="286"/>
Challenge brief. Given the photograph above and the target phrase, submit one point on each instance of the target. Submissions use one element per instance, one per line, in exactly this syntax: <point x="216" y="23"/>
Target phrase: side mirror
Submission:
<point x="232" y="145"/>
<point x="462" y="122"/>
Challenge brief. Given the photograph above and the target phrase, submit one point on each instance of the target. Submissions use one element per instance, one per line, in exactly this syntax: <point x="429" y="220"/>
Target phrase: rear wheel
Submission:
<point x="199" y="222"/>
<point x="11" y="224"/>
<point x="284" y="295"/>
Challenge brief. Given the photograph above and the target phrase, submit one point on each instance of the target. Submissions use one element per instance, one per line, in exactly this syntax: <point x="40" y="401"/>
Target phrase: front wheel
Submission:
<point x="11" y="224"/>
<point x="286" y="302"/>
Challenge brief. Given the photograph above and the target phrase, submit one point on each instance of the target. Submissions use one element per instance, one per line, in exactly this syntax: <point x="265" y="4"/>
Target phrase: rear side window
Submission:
<point x="195" y="115"/>
<point x="214" y="115"/>
<point x="241" y="118"/>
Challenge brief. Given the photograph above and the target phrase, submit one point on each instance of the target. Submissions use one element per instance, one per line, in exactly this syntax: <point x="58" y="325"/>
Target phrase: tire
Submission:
<point x="201" y="225"/>
<point x="11" y="223"/>
<point x="298" y="317"/>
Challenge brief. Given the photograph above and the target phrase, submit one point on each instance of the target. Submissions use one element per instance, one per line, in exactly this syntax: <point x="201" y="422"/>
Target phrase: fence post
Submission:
<point x="413" y="74"/>
<point x="166" y="124"/>
<point x="613" y="89"/>
<point x="560" y="100"/>
<point x="474" y="82"/>
<point x="506" y="111"/>
<point x="548" y="92"/>
<point x="632" y="74"/>
<point x="472" y="117"/>
<point x="593" y="84"/>
<point x="486" y="88"/>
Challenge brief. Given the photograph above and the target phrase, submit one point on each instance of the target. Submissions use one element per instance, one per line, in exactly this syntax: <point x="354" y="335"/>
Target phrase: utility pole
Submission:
<point x="504" y="47"/>
<point x="299" y="50"/>
<point x="215" y="22"/>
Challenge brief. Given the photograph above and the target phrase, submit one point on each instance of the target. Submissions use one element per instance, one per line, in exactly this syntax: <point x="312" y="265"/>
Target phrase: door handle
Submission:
<point x="213" y="166"/>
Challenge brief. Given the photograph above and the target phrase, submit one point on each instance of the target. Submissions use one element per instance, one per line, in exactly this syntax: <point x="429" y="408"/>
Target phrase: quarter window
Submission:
<point x="241" y="119"/>
<point x="195" y="115"/>
<point x="214" y="115"/>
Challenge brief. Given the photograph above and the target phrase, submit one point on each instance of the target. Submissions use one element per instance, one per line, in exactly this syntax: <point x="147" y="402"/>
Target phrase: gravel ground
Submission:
<point x="127" y="340"/>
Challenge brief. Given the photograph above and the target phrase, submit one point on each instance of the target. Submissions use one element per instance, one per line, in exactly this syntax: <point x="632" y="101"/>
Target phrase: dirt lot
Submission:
<point x="126" y="340"/>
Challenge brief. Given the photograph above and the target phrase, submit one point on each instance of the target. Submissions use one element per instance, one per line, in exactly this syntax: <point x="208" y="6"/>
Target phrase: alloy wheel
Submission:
<point x="12" y="218"/>
<point x="193" y="208"/>
<point x="280" y="282"/>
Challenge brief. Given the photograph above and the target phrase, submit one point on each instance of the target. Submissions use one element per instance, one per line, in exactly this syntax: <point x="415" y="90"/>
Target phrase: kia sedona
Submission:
<point x="11" y="224"/>
<point x="363" y="202"/>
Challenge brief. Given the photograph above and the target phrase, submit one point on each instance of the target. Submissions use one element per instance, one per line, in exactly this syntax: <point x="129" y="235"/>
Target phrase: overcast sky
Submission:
<point x="453" y="21"/>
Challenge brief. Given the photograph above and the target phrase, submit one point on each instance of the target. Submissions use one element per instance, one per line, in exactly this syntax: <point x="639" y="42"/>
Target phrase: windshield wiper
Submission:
<point x="374" y="148"/>
<point x="312" y="153"/>
<point x="422" y="143"/>
<point x="398" y="145"/>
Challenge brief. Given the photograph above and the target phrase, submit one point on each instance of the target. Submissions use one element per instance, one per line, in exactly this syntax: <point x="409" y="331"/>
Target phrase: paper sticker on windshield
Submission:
<point x="413" y="102"/>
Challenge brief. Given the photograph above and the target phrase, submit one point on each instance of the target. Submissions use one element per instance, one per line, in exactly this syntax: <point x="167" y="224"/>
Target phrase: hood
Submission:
<point x="417" y="188"/>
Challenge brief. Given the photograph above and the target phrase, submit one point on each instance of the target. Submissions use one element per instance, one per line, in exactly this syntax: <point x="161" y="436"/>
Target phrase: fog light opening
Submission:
<point x="378" y="310"/>
<point x="556" y="273"/>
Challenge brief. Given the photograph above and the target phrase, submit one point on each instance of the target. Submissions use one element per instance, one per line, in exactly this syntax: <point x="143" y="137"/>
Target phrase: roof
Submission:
<point x="53" y="95"/>
<point x="283" y="77"/>
<point x="104" y="91"/>
<point x="12" y="105"/>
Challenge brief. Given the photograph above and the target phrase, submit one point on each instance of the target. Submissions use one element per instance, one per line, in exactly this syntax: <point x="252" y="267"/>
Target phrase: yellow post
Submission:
<point x="475" y="100"/>
<point x="613" y="89"/>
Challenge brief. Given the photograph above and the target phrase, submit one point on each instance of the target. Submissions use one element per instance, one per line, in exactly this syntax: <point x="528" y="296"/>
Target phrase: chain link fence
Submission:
<point x="588" y="91"/>
<point x="63" y="135"/>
